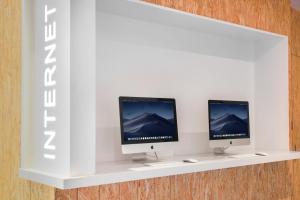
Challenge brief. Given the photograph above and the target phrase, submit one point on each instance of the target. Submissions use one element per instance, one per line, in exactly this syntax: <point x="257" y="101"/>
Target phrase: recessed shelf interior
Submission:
<point x="112" y="48"/>
<point x="147" y="50"/>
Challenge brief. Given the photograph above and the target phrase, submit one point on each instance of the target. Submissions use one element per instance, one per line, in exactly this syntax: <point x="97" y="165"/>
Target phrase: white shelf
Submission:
<point x="111" y="48"/>
<point x="114" y="172"/>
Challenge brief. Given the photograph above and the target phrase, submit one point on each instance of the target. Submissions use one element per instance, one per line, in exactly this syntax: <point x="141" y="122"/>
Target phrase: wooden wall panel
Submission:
<point x="241" y="183"/>
<point x="277" y="16"/>
<point x="258" y="185"/>
<point x="162" y="188"/>
<point x="223" y="182"/>
<point x="296" y="180"/>
<point x="284" y="183"/>
<point x="146" y="189"/>
<point x="66" y="194"/>
<point x="183" y="186"/>
<point x="39" y="192"/>
<point x="270" y="15"/>
<point x="204" y="186"/>
<point x="272" y="181"/>
<point x="11" y="186"/>
<point x="129" y="190"/>
<point x="295" y="33"/>
<point x="89" y="193"/>
<point x="110" y="192"/>
<point x="279" y="178"/>
<point x="295" y="99"/>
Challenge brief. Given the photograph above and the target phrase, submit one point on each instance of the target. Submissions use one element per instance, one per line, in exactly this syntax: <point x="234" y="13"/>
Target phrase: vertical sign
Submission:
<point x="51" y="96"/>
<point x="54" y="103"/>
<point x="49" y="151"/>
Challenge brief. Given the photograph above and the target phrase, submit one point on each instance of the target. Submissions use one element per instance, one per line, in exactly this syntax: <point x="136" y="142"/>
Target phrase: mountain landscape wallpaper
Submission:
<point x="228" y="120"/>
<point x="148" y="120"/>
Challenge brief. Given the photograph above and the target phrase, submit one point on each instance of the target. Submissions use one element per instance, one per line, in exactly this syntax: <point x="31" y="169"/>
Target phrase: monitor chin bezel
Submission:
<point x="229" y="142"/>
<point x="148" y="147"/>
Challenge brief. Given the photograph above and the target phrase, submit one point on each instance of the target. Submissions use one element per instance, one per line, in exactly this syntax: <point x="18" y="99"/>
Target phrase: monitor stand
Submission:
<point x="220" y="150"/>
<point x="146" y="157"/>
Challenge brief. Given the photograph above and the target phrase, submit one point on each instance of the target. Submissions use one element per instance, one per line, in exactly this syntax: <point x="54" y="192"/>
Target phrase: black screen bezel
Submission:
<point x="124" y="98"/>
<point x="228" y="102"/>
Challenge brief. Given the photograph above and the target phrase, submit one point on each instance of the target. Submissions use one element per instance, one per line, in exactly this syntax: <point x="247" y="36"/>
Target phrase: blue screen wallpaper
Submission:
<point x="148" y="120"/>
<point x="228" y="120"/>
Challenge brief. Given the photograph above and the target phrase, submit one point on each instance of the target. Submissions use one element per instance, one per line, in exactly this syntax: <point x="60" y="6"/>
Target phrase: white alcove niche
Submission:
<point x="149" y="51"/>
<point x="115" y="48"/>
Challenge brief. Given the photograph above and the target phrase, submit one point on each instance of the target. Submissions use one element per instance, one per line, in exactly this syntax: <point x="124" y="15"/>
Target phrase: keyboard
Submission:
<point x="158" y="165"/>
<point x="244" y="155"/>
<point x="163" y="164"/>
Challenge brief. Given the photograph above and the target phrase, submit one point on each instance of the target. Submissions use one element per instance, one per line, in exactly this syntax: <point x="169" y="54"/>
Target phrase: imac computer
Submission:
<point x="228" y="124"/>
<point x="147" y="124"/>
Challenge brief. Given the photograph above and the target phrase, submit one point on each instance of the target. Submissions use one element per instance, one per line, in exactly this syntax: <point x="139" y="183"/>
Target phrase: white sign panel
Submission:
<point x="52" y="86"/>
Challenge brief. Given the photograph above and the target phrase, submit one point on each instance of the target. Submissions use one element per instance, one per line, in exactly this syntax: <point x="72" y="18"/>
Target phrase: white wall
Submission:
<point x="132" y="62"/>
<point x="83" y="86"/>
<point x="271" y="95"/>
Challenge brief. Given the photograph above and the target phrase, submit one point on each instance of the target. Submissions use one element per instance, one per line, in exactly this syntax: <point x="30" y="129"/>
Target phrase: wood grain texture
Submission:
<point x="258" y="185"/>
<point x="110" y="192"/>
<point x="295" y="32"/>
<point x="204" y="185"/>
<point x="146" y="189"/>
<point x="294" y="56"/>
<point x="129" y="190"/>
<point x="291" y="96"/>
<point x="162" y="188"/>
<point x="66" y="194"/>
<point x="295" y="99"/>
<point x="89" y="193"/>
<point x="11" y="186"/>
<point x="296" y="180"/>
<point x="223" y="181"/>
<point x="241" y="183"/>
<point x="39" y="192"/>
<point x="270" y="15"/>
<point x="272" y="181"/>
<point x="183" y="186"/>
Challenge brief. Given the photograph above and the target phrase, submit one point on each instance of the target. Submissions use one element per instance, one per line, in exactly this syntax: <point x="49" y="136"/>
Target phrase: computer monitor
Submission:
<point x="228" y="124"/>
<point x="147" y="124"/>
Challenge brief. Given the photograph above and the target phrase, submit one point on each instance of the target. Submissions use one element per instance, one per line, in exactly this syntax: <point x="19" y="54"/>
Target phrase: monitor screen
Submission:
<point x="147" y="120"/>
<point x="228" y="119"/>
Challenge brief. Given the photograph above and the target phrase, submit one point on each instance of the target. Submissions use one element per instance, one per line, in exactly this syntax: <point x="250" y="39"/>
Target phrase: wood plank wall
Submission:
<point x="295" y="95"/>
<point x="269" y="15"/>
<point x="11" y="186"/>
<point x="259" y="182"/>
<point x="271" y="181"/>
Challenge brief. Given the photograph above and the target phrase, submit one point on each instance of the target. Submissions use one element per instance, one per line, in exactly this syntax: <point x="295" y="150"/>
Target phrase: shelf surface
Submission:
<point x="122" y="171"/>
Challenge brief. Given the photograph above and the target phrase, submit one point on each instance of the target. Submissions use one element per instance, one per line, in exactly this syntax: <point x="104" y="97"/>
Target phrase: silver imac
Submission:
<point x="147" y="124"/>
<point x="228" y="124"/>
